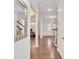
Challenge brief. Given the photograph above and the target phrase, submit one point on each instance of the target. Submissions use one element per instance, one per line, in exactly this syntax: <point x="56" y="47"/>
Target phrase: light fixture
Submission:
<point x="49" y="9"/>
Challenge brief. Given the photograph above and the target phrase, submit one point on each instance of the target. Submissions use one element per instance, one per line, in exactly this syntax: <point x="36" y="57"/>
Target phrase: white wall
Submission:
<point x="22" y="49"/>
<point x="45" y="20"/>
<point x="61" y="28"/>
<point x="46" y="30"/>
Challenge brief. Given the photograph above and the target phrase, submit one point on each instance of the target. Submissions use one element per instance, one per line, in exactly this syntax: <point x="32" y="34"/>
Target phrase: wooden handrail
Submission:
<point x="19" y="28"/>
<point x="21" y="24"/>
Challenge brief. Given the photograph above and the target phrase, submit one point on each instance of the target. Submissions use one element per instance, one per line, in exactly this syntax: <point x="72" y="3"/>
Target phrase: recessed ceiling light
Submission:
<point x="49" y="9"/>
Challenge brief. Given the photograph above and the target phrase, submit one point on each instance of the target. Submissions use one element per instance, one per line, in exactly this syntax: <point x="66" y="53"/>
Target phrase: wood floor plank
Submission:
<point x="46" y="50"/>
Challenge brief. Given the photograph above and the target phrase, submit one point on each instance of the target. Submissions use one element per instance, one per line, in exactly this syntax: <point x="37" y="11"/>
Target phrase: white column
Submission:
<point x="28" y="25"/>
<point x="28" y="32"/>
<point x="41" y="24"/>
<point x="36" y="32"/>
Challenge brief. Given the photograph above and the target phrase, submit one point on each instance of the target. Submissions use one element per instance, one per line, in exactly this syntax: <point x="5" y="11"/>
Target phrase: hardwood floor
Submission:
<point x="46" y="50"/>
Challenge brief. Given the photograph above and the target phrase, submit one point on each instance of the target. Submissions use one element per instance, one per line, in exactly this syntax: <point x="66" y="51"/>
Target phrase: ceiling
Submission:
<point x="44" y="5"/>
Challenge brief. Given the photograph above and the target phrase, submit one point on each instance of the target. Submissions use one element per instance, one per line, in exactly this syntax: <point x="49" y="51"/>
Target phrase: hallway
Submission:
<point x="46" y="50"/>
<point x="34" y="19"/>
